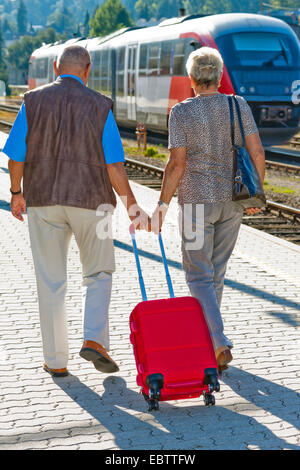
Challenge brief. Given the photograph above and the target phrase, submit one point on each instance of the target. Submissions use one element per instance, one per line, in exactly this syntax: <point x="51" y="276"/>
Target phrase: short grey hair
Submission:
<point x="73" y="56"/>
<point x="205" y="66"/>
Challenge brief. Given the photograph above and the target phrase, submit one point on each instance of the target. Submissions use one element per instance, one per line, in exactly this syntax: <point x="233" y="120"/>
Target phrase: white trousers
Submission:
<point x="50" y="230"/>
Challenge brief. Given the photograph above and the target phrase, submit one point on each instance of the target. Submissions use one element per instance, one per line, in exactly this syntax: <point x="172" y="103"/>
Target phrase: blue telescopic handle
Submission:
<point x="141" y="280"/>
<point x="166" y="266"/>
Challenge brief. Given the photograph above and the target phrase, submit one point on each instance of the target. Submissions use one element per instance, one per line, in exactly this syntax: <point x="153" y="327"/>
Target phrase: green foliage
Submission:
<point x="86" y="24"/>
<point x="20" y="51"/>
<point x="66" y="15"/>
<point x="62" y="20"/>
<point x="22" y="18"/>
<point x="111" y="16"/>
<point x="144" y="9"/>
<point x="3" y="68"/>
<point x="153" y="152"/>
<point x="150" y="152"/>
<point x="278" y="189"/>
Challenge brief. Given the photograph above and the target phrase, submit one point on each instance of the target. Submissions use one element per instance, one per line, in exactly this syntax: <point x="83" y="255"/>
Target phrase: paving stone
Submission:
<point x="258" y="405"/>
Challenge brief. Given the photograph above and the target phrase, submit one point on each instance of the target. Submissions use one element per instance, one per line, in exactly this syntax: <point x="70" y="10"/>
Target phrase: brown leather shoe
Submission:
<point x="223" y="359"/>
<point x="56" y="372"/>
<point x="97" y="354"/>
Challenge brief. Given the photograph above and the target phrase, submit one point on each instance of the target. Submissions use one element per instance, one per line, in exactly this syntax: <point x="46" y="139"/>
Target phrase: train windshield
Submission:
<point x="263" y="50"/>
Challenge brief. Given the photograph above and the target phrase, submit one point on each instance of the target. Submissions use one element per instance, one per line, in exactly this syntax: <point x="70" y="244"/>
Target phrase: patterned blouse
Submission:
<point x="202" y="125"/>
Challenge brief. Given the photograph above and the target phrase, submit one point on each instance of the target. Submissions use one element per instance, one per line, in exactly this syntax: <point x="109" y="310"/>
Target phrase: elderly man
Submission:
<point x="66" y="146"/>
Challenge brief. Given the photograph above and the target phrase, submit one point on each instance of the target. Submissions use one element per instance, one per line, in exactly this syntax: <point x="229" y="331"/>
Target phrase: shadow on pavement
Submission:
<point x="123" y="413"/>
<point x="4" y="205"/>
<point x="253" y="291"/>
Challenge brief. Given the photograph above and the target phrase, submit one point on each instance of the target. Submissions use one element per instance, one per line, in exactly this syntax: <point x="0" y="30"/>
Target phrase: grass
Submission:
<point x="151" y="152"/>
<point x="278" y="189"/>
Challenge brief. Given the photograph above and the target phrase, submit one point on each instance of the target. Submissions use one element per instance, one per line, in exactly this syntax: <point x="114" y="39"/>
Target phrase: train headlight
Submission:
<point x="252" y="89"/>
<point x="264" y="113"/>
<point x="242" y="89"/>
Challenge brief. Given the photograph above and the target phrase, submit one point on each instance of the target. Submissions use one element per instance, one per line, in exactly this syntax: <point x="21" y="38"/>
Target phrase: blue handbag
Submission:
<point x="247" y="189"/>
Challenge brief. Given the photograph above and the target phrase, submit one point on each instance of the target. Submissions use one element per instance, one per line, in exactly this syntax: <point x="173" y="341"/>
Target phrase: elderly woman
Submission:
<point x="201" y="164"/>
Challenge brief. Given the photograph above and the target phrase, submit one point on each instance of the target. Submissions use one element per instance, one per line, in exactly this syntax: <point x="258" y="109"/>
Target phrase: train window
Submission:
<point x="104" y="71"/>
<point x="143" y="59"/>
<point x="121" y="59"/>
<point x="165" y="57"/>
<point x="40" y="68"/>
<point x="179" y="57"/>
<point x="120" y="71"/>
<point x="109" y="69"/>
<point x="153" y="60"/>
<point x="31" y="72"/>
<point x="257" y="49"/>
<point x="97" y="64"/>
<point x="51" y="73"/>
<point x="104" y="64"/>
<point x="190" y="46"/>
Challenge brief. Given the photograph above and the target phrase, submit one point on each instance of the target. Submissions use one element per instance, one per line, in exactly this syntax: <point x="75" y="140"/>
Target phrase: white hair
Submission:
<point x="205" y="66"/>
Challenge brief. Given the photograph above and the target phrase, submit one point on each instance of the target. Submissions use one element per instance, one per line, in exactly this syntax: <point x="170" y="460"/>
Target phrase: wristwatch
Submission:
<point x="15" y="193"/>
<point x="162" y="204"/>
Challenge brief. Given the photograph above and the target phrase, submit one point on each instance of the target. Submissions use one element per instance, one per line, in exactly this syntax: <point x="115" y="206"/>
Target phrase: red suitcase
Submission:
<point x="173" y="350"/>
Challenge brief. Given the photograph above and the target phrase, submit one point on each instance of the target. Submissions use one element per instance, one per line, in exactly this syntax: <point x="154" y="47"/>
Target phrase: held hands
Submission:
<point x="139" y="218"/>
<point x="18" y="206"/>
<point x="142" y="221"/>
<point x="158" y="218"/>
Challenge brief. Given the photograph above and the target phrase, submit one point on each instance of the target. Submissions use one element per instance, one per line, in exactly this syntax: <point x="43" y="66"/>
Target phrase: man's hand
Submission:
<point x="18" y="206"/>
<point x="253" y="210"/>
<point x="140" y="219"/>
<point x="158" y="218"/>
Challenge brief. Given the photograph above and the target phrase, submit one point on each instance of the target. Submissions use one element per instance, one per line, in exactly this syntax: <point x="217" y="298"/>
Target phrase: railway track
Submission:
<point x="273" y="154"/>
<point x="295" y="142"/>
<point x="277" y="219"/>
<point x="10" y="108"/>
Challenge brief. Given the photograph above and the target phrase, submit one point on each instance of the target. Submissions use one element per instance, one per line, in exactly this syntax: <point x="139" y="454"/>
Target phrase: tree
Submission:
<point x="144" y="9"/>
<point x="110" y="17"/>
<point x="3" y="67"/>
<point x="86" y="25"/>
<point x="22" y="18"/>
<point x="20" y="51"/>
<point x="167" y="8"/>
<point x="62" y="20"/>
<point x="131" y="6"/>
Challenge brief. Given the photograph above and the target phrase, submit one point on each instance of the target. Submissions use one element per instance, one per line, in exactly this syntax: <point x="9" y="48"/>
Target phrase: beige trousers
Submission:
<point x="50" y="230"/>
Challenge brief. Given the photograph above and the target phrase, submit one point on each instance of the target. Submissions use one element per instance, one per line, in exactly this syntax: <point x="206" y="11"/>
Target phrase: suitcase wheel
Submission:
<point x="153" y="404"/>
<point x="209" y="399"/>
<point x="155" y="382"/>
<point x="211" y="379"/>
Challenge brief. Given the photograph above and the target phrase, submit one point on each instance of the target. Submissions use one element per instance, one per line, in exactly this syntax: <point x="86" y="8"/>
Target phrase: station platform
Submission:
<point x="258" y="405"/>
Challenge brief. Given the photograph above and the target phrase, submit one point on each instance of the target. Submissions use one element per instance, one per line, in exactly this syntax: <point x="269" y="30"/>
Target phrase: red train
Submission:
<point x="143" y="69"/>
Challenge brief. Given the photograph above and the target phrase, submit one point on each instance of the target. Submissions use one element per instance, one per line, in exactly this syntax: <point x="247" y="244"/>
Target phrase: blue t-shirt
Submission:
<point x="15" y="147"/>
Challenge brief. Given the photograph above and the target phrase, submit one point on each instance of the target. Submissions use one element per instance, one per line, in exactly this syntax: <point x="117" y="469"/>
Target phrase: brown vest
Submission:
<point x="65" y="162"/>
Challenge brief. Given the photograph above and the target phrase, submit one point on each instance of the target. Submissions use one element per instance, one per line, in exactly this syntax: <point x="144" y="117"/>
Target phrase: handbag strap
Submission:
<point x="240" y="119"/>
<point x="231" y="119"/>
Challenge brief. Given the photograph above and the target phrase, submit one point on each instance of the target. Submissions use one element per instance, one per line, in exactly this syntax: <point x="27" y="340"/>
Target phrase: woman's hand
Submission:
<point x="158" y="218"/>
